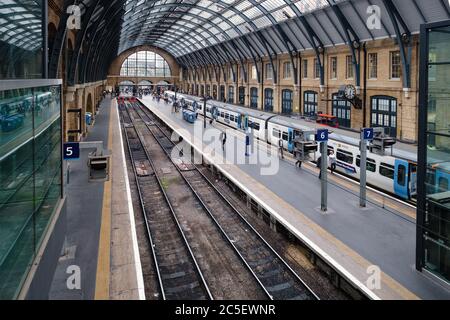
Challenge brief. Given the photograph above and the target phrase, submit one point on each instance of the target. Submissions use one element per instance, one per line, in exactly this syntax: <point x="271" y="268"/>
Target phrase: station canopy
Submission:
<point x="185" y="26"/>
<point x="20" y="24"/>
<point x="204" y="32"/>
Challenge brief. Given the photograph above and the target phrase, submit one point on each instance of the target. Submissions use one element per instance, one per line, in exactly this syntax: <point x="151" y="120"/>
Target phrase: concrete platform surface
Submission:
<point x="101" y="238"/>
<point x="355" y="240"/>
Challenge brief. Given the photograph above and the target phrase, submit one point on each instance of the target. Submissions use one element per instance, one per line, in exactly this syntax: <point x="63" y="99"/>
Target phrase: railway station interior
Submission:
<point x="215" y="150"/>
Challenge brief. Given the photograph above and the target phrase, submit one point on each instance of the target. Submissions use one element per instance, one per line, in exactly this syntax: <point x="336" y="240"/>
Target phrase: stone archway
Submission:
<point x="90" y="104"/>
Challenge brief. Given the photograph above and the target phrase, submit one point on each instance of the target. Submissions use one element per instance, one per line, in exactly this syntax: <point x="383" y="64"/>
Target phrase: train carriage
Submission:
<point x="394" y="173"/>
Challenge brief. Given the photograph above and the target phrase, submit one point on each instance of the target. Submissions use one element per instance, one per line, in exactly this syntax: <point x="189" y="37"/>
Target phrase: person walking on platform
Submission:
<point x="281" y="149"/>
<point x="223" y="139"/>
<point x="332" y="161"/>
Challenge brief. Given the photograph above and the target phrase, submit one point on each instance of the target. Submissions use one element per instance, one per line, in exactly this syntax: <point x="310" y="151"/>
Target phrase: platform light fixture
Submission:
<point x="286" y="14"/>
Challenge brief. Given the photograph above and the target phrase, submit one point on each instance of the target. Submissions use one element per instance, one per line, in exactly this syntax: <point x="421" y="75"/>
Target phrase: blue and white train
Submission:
<point x="395" y="174"/>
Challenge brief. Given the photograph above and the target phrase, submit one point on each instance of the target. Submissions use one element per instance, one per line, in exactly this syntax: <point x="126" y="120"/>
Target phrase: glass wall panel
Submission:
<point x="21" y="39"/>
<point x="436" y="218"/>
<point x="30" y="178"/>
<point x="145" y="64"/>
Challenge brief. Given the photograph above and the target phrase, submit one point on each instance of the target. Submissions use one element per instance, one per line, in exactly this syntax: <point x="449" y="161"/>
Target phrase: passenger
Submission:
<point x="281" y="149"/>
<point x="223" y="138"/>
<point x="332" y="161"/>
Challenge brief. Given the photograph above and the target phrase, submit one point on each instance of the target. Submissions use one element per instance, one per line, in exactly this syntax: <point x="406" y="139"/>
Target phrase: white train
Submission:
<point x="395" y="173"/>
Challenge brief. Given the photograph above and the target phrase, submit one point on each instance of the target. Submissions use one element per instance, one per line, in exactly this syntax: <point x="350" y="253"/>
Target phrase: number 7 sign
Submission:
<point x="368" y="134"/>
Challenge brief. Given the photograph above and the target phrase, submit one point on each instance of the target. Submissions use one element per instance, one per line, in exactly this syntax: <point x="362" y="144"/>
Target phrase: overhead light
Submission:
<point x="287" y="15"/>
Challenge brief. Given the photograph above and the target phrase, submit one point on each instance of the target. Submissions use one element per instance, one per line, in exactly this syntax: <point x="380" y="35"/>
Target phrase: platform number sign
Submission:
<point x="322" y="135"/>
<point x="368" y="134"/>
<point x="71" y="151"/>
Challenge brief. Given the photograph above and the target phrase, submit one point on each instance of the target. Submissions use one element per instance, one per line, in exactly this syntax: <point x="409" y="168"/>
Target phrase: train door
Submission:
<point x="401" y="179"/>
<point x="413" y="180"/>
<point x="243" y="122"/>
<point x="442" y="181"/>
<point x="291" y="140"/>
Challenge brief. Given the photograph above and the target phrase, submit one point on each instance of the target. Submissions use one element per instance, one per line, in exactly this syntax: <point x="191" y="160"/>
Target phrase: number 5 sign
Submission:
<point x="71" y="151"/>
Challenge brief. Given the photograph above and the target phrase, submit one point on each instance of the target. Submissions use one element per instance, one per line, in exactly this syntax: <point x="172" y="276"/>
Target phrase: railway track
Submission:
<point x="273" y="274"/>
<point x="179" y="275"/>
<point x="411" y="204"/>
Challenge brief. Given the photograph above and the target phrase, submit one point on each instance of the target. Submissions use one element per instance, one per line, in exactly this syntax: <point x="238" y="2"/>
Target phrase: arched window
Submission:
<point x="214" y="94"/>
<point x="268" y="100"/>
<point x="310" y="103"/>
<point x="230" y="94"/>
<point x="343" y="111"/>
<point x="241" y="95"/>
<point x="254" y="98"/>
<point x="222" y="93"/>
<point x="287" y="101"/>
<point x="126" y="86"/>
<point x="384" y="114"/>
<point x="145" y="64"/>
<point x="145" y="84"/>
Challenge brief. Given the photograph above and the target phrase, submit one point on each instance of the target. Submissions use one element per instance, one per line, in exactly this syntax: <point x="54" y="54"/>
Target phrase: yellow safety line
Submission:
<point x="104" y="247"/>
<point x="387" y="280"/>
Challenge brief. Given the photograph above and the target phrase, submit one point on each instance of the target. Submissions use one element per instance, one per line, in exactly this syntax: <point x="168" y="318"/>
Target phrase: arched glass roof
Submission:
<point x="215" y="32"/>
<point x="21" y="24"/>
<point x="197" y="24"/>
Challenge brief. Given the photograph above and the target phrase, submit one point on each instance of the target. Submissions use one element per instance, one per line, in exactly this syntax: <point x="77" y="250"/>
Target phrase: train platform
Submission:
<point x="353" y="240"/>
<point x="101" y="243"/>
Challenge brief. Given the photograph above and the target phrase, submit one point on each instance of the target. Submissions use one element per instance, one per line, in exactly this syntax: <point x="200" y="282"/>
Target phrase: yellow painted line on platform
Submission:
<point x="349" y="258"/>
<point x="104" y="248"/>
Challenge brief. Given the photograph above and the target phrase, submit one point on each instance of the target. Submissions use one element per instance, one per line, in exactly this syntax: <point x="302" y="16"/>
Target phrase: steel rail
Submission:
<point x="179" y="229"/>
<point x="235" y="210"/>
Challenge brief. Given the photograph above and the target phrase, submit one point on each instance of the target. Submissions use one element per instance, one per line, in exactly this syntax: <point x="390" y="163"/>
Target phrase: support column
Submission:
<point x="81" y="104"/>
<point x="69" y="119"/>
<point x="277" y="98"/>
<point x="296" y="103"/>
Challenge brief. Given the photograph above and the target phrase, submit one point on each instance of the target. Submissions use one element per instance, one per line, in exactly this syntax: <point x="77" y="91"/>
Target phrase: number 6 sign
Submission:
<point x="322" y="136"/>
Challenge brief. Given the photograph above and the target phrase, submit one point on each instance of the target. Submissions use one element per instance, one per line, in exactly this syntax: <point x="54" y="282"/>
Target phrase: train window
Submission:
<point x="443" y="184"/>
<point x="401" y="179"/>
<point x="254" y="125"/>
<point x="371" y="164"/>
<point x="344" y="156"/>
<point x="227" y="116"/>
<point x="231" y="118"/>
<point x="285" y="136"/>
<point x="386" y="170"/>
<point x="222" y="115"/>
<point x="276" y="133"/>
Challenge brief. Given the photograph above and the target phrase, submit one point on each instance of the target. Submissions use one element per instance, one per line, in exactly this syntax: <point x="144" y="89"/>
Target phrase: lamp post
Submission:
<point x="205" y="99"/>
